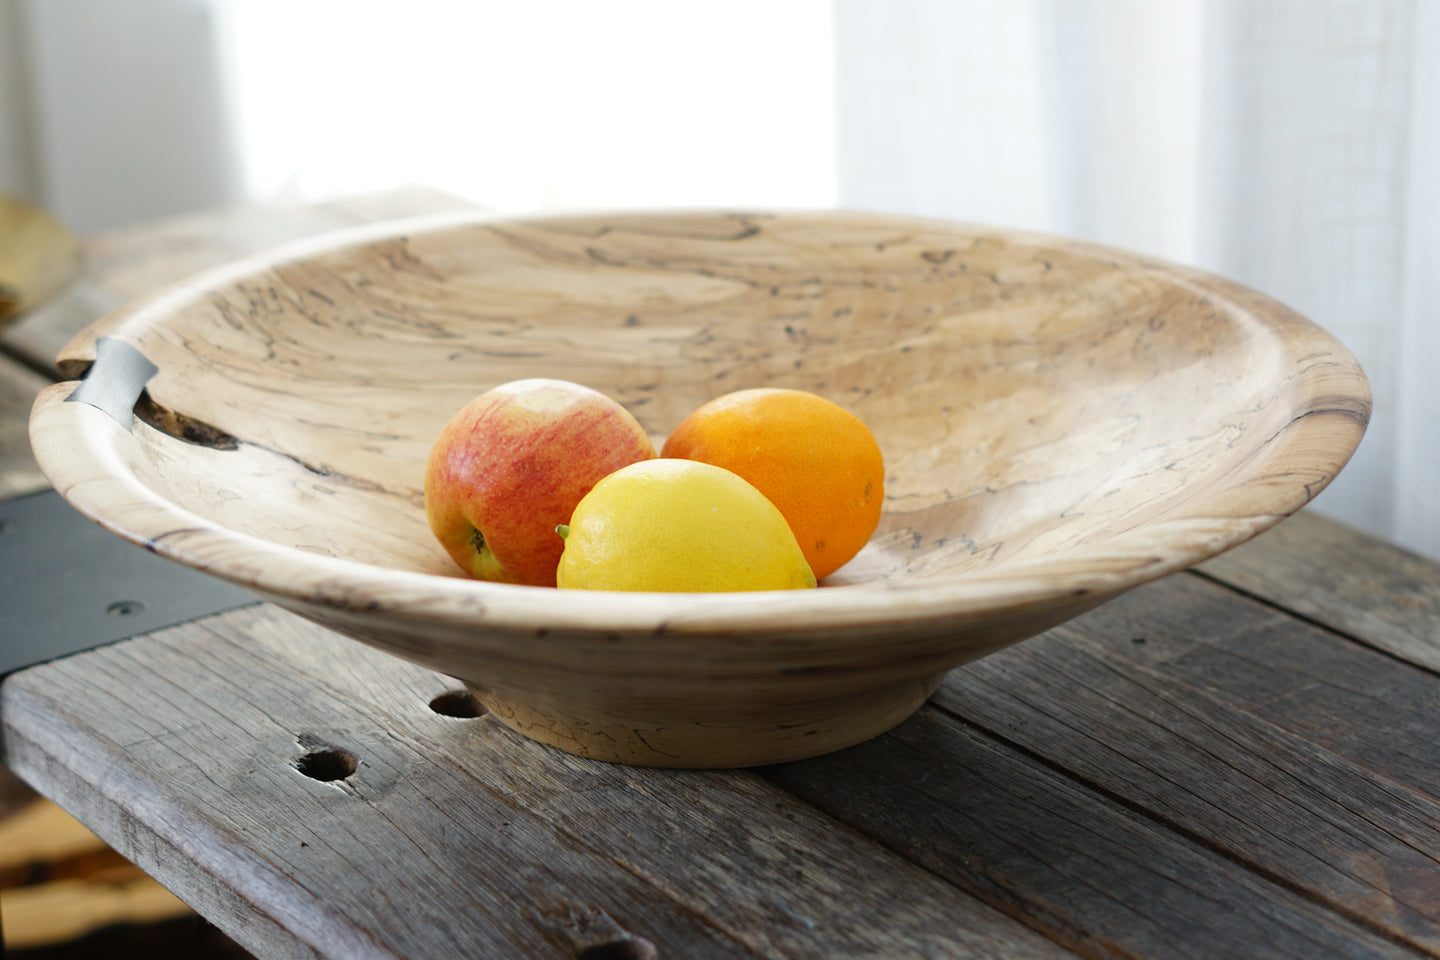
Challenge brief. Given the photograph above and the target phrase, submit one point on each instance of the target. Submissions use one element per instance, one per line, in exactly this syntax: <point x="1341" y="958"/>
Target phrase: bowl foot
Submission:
<point x="725" y="735"/>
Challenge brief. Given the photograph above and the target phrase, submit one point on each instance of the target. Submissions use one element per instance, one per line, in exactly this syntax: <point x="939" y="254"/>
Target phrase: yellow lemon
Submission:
<point x="679" y="526"/>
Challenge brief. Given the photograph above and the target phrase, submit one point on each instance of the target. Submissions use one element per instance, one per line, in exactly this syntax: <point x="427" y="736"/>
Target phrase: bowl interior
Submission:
<point x="1037" y="400"/>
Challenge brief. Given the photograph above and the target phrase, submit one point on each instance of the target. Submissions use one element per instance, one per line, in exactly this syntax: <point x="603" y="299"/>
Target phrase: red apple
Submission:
<point x="512" y="465"/>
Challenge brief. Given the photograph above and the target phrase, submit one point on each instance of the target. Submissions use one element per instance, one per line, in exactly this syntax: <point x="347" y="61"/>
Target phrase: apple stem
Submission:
<point x="563" y="530"/>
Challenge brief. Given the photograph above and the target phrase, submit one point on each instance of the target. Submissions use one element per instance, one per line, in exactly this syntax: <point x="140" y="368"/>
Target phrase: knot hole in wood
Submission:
<point x="326" y="763"/>
<point x="624" y="948"/>
<point x="461" y="704"/>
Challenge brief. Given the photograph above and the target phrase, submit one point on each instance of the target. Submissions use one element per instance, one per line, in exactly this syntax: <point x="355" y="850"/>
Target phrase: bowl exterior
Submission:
<point x="703" y="700"/>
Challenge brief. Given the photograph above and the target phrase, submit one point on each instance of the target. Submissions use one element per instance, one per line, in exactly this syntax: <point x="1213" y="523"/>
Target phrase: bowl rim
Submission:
<point x="76" y="446"/>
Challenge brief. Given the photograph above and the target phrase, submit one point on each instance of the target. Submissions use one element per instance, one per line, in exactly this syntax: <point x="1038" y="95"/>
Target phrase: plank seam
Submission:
<point x="1177" y="829"/>
<point x="1312" y="621"/>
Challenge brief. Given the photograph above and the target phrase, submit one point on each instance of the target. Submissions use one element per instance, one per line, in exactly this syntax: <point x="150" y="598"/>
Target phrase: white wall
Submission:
<point x="526" y="105"/>
<point x="130" y="108"/>
<point x="18" y="173"/>
<point x="145" y="108"/>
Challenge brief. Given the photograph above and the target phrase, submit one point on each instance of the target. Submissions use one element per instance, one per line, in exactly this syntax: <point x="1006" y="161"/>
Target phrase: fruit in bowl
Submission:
<point x="513" y="463"/>
<point x="759" y="490"/>
<point x="679" y="526"/>
<point x="816" y="461"/>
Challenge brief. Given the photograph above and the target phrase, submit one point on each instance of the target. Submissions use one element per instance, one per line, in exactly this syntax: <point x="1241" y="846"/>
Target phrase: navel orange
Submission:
<point x="815" y="460"/>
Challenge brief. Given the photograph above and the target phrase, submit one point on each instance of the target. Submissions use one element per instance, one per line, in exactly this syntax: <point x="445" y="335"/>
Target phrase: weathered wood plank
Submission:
<point x="454" y="837"/>
<point x="291" y="866"/>
<point x="1357" y="584"/>
<point x="130" y="262"/>
<point x="1086" y="870"/>
<point x="1305" y="755"/>
<point x="804" y="885"/>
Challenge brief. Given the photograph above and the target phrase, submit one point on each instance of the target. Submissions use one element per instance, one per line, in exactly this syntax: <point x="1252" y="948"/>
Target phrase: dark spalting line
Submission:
<point x="679" y="264"/>
<point x="182" y="426"/>
<point x="1359" y="413"/>
<point x="193" y="431"/>
<point x="348" y="431"/>
<point x="397" y="253"/>
<point x="320" y="470"/>
<point x="536" y="246"/>
<point x="673" y="265"/>
<point x="153" y="544"/>
<point x="746" y="229"/>
<point x="506" y="354"/>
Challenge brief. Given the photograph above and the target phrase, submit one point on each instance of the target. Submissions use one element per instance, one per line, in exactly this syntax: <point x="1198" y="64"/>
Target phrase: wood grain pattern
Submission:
<point x="1181" y="797"/>
<point x="453" y="837"/>
<point x="1061" y="422"/>
<point x="125" y="263"/>
<point x="1299" y="752"/>
<point x="1351" y="582"/>
<point x="1082" y="868"/>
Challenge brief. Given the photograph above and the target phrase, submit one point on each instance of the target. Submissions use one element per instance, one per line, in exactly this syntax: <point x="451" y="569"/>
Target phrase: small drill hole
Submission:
<point x="125" y="608"/>
<point x="461" y="704"/>
<point x="627" y="948"/>
<point x="328" y="764"/>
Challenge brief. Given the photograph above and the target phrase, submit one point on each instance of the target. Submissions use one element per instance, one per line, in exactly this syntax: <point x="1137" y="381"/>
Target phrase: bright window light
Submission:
<point x="529" y="106"/>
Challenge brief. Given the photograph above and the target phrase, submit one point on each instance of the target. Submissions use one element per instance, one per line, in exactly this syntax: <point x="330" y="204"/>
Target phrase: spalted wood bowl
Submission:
<point x="1061" y="422"/>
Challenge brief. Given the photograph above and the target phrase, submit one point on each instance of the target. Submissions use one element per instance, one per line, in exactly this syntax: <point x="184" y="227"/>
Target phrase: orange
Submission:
<point x="816" y="461"/>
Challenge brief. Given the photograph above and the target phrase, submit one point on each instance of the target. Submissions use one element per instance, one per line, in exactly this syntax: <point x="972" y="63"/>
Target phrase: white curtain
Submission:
<point x="1288" y="144"/>
<point x="1292" y="145"/>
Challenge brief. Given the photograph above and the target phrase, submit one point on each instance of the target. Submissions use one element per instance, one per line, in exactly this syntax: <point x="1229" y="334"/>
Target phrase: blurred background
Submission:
<point x="1288" y="144"/>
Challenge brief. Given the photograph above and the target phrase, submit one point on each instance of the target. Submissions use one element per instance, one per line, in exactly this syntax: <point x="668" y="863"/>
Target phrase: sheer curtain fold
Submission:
<point x="1305" y="191"/>
<point x="1416" y="474"/>
<point x="1288" y="144"/>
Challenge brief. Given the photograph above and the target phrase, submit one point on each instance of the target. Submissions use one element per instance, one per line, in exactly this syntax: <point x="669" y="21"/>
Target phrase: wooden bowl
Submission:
<point x="1061" y="422"/>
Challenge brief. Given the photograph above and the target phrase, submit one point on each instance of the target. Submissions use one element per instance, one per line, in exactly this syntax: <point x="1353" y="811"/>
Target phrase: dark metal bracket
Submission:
<point x="67" y="584"/>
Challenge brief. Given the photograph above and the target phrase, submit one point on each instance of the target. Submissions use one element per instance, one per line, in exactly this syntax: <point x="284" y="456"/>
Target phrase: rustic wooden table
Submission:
<point x="1238" y="761"/>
